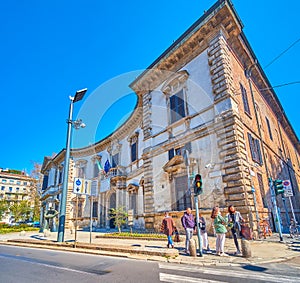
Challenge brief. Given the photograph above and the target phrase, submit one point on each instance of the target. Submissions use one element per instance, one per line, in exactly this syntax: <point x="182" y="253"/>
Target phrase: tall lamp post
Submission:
<point x="76" y="124"/>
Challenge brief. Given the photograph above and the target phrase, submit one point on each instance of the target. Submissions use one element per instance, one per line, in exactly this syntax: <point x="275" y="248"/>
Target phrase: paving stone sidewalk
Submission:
<point x="269" y="250"/>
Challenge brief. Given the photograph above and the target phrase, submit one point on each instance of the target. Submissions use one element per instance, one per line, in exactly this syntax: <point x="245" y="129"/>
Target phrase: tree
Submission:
<point x="35" y="190"/>
<point x="20" y="210"/>
<point x="3" y="208"/>
<point x="119" y="215"/>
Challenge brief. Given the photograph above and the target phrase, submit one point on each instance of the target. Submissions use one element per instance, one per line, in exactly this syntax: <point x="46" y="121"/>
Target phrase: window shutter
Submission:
<point x="260" y="160"/>
<point x="171" y="153"/>
<point x="245" y="99"/>
<point x="251" y="146"/>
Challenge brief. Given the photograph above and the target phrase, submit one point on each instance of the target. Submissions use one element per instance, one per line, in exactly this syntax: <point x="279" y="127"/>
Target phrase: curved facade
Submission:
<point x="204" y="106"/>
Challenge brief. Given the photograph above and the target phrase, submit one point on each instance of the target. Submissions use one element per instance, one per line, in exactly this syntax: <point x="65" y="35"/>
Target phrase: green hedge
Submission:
<point x="5" y="228"/>
<point x="134" y="235"/>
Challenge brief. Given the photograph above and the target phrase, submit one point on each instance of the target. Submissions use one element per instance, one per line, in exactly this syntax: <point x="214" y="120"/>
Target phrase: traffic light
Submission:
<point x="278" y="187"/>
<point x="198" y="185"/>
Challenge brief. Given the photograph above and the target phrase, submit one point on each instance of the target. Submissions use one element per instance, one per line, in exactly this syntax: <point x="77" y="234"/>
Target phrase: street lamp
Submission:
<point x="76" y="124"/>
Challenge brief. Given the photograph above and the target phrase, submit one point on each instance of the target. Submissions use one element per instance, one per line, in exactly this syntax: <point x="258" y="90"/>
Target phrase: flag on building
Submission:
<point x="107" y="166"/>
<point x="99" y="165"/>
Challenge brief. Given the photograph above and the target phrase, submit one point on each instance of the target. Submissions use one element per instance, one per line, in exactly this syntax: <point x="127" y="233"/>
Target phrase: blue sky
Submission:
<point x="50" y="49"/>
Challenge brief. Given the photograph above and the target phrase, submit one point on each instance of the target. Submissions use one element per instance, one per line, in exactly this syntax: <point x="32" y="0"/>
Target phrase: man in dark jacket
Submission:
<point x="188" y="223"/>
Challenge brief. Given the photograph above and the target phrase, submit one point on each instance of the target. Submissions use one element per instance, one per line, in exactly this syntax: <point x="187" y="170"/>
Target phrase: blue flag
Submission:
<point x="107" y="166"/>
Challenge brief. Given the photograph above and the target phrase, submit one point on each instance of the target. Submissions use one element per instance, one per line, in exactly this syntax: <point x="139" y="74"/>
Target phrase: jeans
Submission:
<point x="170" y="242"/>
<point x="234" y="234"/>
<point x="189" y="235"/>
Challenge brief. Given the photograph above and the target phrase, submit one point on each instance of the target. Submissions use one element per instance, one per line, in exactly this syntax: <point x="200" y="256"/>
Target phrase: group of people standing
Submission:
<point x="232" y="221"/>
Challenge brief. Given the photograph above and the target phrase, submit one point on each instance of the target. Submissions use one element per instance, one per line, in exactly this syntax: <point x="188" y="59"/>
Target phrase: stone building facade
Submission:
<point x="204" y="106"/>
<point x="16" y="186"/>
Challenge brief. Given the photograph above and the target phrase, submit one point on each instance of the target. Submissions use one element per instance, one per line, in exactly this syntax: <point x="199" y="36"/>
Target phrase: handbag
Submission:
<point x="176" y="238"/>
<point x="246" y="232"/>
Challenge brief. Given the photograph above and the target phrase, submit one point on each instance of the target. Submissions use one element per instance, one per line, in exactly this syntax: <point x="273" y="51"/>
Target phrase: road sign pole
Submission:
<point x="286" y="212"/>
<point x="198" y="226"/>
<point x="275" y="209"/>
<point x="76" y="217"/>
<point x="91" y="217"/>
<point x="292" y="208"/>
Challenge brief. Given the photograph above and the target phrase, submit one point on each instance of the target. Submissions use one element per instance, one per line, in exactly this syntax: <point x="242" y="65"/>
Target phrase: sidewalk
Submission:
<point x="269" y="250"/>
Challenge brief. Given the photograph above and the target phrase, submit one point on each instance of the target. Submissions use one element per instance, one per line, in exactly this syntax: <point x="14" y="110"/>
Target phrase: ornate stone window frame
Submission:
<point x="176" y="83"/>
<point x="134" y="139"/>
<point x="79" y="165"/>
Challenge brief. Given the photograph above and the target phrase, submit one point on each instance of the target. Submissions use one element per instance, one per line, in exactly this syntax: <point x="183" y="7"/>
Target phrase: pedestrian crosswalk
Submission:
<point x="194" y="274"/>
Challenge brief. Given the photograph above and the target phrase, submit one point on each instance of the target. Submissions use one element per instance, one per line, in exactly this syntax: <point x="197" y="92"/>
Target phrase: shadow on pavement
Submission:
<point x="254" y="268"/>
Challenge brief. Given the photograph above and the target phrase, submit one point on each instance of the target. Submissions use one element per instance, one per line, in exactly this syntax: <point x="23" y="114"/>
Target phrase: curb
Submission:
<point x="106" y="248"/>
<point x="162" y="255"/>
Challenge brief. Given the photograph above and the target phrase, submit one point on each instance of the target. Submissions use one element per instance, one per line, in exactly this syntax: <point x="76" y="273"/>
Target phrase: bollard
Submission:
<point x="22" y="233"/>
<point x="192" y="248"/>
<point x="47" y="233"/>
<point x="246" y="248"/>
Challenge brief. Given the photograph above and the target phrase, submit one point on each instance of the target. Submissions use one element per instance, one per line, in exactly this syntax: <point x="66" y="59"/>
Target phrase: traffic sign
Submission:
<point x="288" y="190"/>
<point x="82" y="186"/>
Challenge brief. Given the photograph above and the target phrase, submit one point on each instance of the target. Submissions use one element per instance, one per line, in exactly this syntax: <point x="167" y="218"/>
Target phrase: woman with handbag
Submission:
<point x="168" y="228"/>
<point x="220" y="229"/>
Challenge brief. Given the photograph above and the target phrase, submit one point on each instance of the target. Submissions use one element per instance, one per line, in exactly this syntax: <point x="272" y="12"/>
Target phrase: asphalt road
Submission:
<point x="18" y="264"/>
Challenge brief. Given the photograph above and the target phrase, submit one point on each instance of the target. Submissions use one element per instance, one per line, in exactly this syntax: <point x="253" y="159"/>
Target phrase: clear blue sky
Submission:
<point x="50" y="49"/>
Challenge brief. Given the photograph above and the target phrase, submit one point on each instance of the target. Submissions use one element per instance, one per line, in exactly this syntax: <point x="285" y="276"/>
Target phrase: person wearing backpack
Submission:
<point x="203" y="233"/>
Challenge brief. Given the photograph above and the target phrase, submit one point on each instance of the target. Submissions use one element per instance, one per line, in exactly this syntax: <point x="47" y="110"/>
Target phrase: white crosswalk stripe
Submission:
<point x="222" y="273"/>
<point x="165" y="277"/>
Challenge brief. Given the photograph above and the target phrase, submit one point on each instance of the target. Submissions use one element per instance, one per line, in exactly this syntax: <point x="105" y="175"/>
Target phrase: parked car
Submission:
<point x="36" y="224"/>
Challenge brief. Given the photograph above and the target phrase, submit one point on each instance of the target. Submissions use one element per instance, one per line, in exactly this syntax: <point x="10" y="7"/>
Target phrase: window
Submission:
<point x="115" y="160"/>
<point x="17" y="189"/>
<point x="95" y="209"/>
<point x="269" y="128"/>
<point x="133" y="152"/>
<point x="2" y="188"/>
<point x="60" y="176"/>
<point x="133" y="202"/>
<point x="10" y="189"/>
<point x="18" y="183"/>
<point x="25" y="183"/>
<point x="81" y="172"/>
<point x="182" y="194"/>
<point x="4" y="180"/>
<point x="11" y="181"/>
<point x="255" y="149"/>
<point x="78" y="208"/>
<point x="45" y="182"/>
<point x="180" y="150"/>
<point x="262" y="190"/>
<point x="245" y="99"/>
<point x="177" y="106"/>
<point x="96" y="169"/>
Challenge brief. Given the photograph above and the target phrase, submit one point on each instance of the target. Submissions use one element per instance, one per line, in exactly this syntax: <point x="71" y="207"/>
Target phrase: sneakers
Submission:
<point x="237" y="253"/>
<point x="223" y="254"/>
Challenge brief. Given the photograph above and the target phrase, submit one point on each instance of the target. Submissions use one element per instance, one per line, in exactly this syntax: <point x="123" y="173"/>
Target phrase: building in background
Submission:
<point x="16" y="186"/>
<point x="204" y="106"/>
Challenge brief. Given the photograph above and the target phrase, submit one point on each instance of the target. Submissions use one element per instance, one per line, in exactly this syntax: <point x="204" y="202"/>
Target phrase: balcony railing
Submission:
<point x="119" y="171"/>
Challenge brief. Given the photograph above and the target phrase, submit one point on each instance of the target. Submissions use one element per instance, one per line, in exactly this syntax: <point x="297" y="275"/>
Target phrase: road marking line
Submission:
<point x="48" y="265"/>
<point x="255" y="276"/>
<point x="165" y="277"/>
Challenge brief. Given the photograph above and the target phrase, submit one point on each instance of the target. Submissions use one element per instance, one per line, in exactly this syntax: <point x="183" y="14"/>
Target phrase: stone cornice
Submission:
<point x="192" y="43"/>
